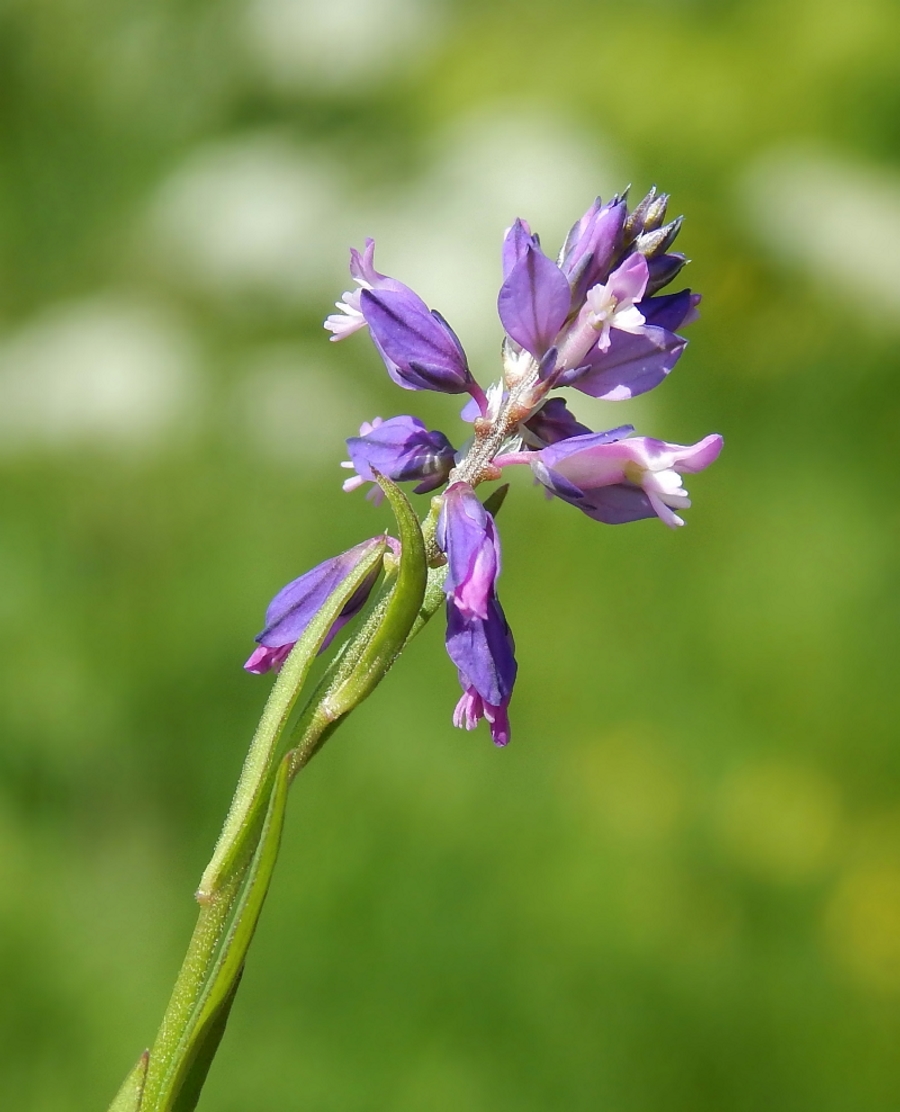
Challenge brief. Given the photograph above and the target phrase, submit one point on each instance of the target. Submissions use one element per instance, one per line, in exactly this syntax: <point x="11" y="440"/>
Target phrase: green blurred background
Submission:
<point x="679" y="888"/>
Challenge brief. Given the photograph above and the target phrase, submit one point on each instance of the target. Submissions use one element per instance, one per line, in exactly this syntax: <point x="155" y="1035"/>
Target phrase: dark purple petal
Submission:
<point x="515" y="243"/>
<point x="613" y="505"/>
<point x="295" y="606"/>
<point x="467" y="535"/>
<point x="534" y="301"/>
<point x="663" y="269"/>
<point x="553" y="422"/>
<point x="419" y="350"/>
<point x="484" y="652"/>
<point x="671" y="310"/>
<point x="403" y="450"/>
<point x="617" y="505"/>
<point x="633" y="364"/>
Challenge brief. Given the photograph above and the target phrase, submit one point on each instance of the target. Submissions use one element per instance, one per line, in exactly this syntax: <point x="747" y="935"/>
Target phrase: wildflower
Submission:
<point x="419" y="348"/>
<point x="295" y="606"/>
<point x="595" y="321"/>
<point x="615" y="480"/>
<point x="402" y="449"/>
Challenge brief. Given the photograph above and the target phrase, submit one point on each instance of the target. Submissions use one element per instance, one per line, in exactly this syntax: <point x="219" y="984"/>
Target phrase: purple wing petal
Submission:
<point x="617" y="504"/>
<point x="671" y="310"/>
<point x="534" y="301"/>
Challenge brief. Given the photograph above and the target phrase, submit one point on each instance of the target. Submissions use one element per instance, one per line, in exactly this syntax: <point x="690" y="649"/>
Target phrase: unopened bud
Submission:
<point x="663" y="269"/>
<point x="655" y="243"/>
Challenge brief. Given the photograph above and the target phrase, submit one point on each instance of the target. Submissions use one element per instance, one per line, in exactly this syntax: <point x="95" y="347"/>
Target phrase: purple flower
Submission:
<point x="615" y="480"/>
<point x="350" y="318"/>
<point x="402" y="449"/>
<point x="419" y="349"/>
<point x="483" y="651"/>
<point x="467" y="535"/>
<point x="295" y="606"/>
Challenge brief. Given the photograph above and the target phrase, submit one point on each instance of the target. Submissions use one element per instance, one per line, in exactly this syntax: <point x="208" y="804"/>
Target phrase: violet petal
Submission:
<point x="534" y="301"/>
<point x="419" y="352"/>
<point x="633" y="364"/>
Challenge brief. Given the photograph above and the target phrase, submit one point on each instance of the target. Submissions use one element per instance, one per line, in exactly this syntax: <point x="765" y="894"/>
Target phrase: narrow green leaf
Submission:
<point x="128" y="1098"/>
<point x="192" y="1086"/>
<point x="252" y="789"/>
<point x="195" y="1051"/>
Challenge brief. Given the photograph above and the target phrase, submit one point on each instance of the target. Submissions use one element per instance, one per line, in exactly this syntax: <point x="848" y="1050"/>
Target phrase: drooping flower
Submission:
<point x="615" y="479"/>
<point x="467" y="535"/>
<point x="403" y="450"/>
<point x="484" y="654"/>
<point x="294" y="607"/>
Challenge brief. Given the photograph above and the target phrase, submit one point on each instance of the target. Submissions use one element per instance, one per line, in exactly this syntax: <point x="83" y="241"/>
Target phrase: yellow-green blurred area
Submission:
<point x="679" y="887"/>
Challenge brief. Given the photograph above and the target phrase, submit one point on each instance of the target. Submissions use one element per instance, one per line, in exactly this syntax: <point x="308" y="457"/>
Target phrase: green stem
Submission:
<point x="235" y="882"/>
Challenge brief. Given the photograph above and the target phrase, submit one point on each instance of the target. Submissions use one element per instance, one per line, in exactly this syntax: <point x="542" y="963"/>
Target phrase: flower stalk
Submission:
<point x="592" y="321"/>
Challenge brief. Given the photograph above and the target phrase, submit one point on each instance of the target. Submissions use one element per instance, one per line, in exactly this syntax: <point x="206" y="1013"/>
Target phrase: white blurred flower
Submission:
<point x="315" y="44"/>
<point x="505" y="161"/>
<point x="251" y="215"/>
<point x="108" y="370"/>
<point x="838" y="220"/>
